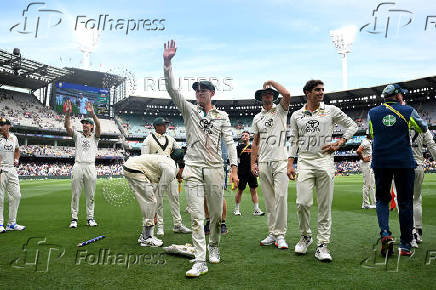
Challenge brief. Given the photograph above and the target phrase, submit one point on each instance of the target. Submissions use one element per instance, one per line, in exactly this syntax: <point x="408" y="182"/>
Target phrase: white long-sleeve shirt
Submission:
<point x="420" y="139"/>
<point x="310" y="131"/>
<point x="204" y="132"/>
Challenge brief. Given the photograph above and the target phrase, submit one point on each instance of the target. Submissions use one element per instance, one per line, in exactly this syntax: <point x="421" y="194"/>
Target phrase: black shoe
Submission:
<point x="224" y="229"/>
<point x="206" y="228"/>
<point x="387" y="246"/>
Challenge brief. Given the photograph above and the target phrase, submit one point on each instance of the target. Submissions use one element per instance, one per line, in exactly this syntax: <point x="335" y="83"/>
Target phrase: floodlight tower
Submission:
<point x="87" y="40"/>
<point x="343" y="39"/>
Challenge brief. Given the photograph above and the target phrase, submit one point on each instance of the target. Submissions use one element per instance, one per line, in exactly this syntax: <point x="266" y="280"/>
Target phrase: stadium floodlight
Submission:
<point x="87" y="40"/>
<point x="343" y="39"/>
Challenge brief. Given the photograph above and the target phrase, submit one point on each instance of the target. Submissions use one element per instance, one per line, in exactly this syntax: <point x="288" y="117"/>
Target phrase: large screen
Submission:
<point x="79" y="95"/>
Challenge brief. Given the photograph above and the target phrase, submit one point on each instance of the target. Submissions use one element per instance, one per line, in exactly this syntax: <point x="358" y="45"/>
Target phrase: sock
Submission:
<point x="147" y="232"/>
<point x="237" y="206"/>
<point x="256" y="206"/>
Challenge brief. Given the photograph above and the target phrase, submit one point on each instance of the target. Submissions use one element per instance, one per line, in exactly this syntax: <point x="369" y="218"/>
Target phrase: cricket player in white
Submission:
<point x="418" y="140"/>
<point x="163" y="144"/>
<point x="269" y="147"/>
<point x="311" y="134"/>
<point x="142" y="172"/>
<point x="9" y="159"/>
<point x="84" y="173"/>
<point x="205" y="128"/>
<point x="368" y="191"/>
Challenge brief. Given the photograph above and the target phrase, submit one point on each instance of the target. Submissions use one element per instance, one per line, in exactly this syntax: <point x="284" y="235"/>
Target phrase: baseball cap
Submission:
<point x="203" y="85"/>
<point x="160" y="121"/>
<point x="392" y="90"/>
<point x="258" y="94"/>
<point x="4" y="121"/>
<point x="177" y="154"/>
<point x="87" y="120"/>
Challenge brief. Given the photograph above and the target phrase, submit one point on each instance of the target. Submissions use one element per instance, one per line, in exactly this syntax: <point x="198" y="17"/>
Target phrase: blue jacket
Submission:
<point x="390" y="132"/>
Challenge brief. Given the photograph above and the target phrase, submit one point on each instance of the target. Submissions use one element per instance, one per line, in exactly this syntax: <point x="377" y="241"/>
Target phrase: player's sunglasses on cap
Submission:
<point x="4" y="121"/>
<point x="392" y="90"/>
<point x="258" y="94"/>
<point x="87" y="120"/>
<point x="177" y="154"/>
<point x="203" y="85"/>
<point x="160" y="121"/>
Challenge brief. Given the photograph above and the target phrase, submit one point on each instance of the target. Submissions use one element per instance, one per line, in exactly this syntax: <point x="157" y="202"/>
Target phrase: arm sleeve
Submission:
<point x="230" y="144"/>
<point x="74" y="135"/>
<point x="293" y="139"/>
<point x="183" y="105"/>
<point x="431" y="145"/>
<point x="342" y="119"/>
<point x="417" y="122"/>
<point x="17" y="145"/>
<point x="145" y="149"/>
<point x="254" y="127"/>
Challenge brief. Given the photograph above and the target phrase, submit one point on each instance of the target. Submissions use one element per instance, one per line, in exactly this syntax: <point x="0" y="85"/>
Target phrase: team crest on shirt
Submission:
<point x="389" y="120"/>
<point x="8" y="147"/>
<point x="86" y="144"/>
<point x="312" y="126"/>
<point x="206" y="125"/>
<point x="269" y="123"/>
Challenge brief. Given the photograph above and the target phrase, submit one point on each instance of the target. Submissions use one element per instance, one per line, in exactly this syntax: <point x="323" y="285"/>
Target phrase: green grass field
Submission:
<point x="45" y="210"/>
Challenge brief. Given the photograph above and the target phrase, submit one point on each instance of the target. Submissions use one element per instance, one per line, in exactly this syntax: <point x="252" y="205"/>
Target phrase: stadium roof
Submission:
<point x="21" y="72"/>
<point x="138" y="104"/>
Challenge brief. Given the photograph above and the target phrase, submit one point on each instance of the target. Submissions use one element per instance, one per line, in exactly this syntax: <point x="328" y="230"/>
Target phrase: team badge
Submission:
<point x="312" y="126"/>
<point x="389" y="120"/>
<point x="206" y="125"/>
<point x="269" y="123"/>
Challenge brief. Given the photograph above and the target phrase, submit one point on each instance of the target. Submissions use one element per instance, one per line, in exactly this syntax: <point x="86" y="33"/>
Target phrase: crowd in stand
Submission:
<point x="63" y="151"/>
<point x="63" y="169"/>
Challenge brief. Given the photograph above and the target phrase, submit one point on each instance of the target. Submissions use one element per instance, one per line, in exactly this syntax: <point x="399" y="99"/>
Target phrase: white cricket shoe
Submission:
<point x="258" y="212"/>
<point x="151" y="242"/>
<point x="214" y="255"/>
<point x="236" y="212"/>
<point x="92" y="223"/>
<point x="181" y="230"/>
<point x="73" y="224"/>
<point x="160" y="230"/>
<point x="323" y="254"/>
<point x="269" y="240"/>
<point x="281" y="243"/>
<point x="199" y="268"/>
<point x="2" y="229"/>
<point x="303" y="244"/>
<point x="414" y="244"/>
<point x="15" y="227"/>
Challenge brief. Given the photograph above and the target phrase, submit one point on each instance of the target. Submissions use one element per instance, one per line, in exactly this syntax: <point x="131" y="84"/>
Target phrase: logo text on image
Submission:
<point x="38" y="254"/>
<point x="106" y="257"/>
<point x="185" y="83"/>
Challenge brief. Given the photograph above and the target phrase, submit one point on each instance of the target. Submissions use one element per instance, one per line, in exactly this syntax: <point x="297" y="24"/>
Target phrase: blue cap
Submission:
<point x="392" y="90"/>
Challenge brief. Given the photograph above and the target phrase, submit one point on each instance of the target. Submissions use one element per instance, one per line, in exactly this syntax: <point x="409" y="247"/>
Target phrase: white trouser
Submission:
<point x="368" y="188"/>
<point x="322" y="179"/>
<point x="145" y="195"/>
<point x="173" y="198"/>
<point x="417" y="197"/>
<point x="10" y="183"/>
<point x="202" y="182"/>
<point x="274" y="184"/>
<point x="83" y="175"/>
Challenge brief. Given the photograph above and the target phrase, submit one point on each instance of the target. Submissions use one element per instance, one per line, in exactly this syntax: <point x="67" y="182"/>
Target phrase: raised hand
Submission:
<point x="89" y="108"/>
<point x="68" y="107"/>
<point x="169" y="51"/>
<point x="268" y="84"/>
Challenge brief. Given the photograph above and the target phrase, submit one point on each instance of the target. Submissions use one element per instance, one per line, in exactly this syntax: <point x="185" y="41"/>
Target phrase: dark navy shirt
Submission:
<point x="390" y="132"/>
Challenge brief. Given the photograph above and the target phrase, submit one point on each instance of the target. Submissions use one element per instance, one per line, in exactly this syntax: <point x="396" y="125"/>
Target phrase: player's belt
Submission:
<point x="131" y="170"/>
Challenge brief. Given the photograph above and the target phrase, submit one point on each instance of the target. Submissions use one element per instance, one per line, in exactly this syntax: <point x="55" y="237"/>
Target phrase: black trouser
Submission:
<point x="404" y="179"/>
